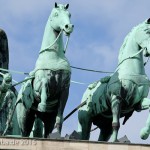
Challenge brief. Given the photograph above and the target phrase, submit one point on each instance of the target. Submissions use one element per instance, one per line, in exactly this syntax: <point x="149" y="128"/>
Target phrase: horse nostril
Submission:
<point x="66" y="26"/>
<point x="72" y="26"/>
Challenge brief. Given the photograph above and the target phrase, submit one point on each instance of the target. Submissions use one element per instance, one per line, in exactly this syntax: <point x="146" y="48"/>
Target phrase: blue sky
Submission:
<point x="100" y="28"/>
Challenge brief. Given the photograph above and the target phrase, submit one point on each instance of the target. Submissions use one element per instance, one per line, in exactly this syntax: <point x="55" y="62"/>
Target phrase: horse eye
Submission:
<point x="56" y="14"/>
<point x="148" y="21"/>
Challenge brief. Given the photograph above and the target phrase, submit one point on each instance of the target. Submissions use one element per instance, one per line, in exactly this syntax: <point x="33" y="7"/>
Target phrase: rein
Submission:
<point x="100" y="71"/>
<point x="18" y="72"/>
<point x="12" y="79"/>
<point x="130" y="58"/>
<point x="146" y="61"/>
<point x="49" y="47"/>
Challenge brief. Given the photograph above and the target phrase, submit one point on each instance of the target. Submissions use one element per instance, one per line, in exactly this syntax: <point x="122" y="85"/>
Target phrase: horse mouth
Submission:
<point x="67" y="33"/>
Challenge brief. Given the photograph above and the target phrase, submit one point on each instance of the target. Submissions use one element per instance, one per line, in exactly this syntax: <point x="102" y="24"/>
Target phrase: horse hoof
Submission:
<point x="113" y="139"/>
<point x="42" y="107"/>
<point x="144" y="134"/>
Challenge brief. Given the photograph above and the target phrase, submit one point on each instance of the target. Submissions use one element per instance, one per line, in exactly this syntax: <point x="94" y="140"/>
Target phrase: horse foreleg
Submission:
<point x="105" y="134"/>
<point x="49" y="123"/>
<point x="145" y="103"/>
<point x="38" y="128"/>
<point x="115" y="107"/>
<point x="25" y="119"/>
<point x="144" y="134"/>
<point x="105" y="131"/>
<point x="42" y="104"/>
<point x="62" y="103"/>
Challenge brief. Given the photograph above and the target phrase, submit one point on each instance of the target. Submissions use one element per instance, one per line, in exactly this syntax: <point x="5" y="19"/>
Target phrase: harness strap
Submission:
<point x="48" y="47"/>
<point x="137" y="79"/>
<point x="132" y="56"/>
<point x="32" y="77"/>
<point x="46" y="50"/>
<point x="18" y="72"/>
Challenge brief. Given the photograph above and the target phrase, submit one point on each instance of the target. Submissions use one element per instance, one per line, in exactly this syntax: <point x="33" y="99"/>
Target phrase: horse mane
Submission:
<point x="142" y="26"/>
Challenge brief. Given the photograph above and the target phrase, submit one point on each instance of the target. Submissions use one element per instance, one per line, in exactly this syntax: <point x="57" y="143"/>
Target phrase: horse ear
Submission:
<point x="66" y="6"/>
<point x="56" y="5"/>
<point x="148" y="21"/>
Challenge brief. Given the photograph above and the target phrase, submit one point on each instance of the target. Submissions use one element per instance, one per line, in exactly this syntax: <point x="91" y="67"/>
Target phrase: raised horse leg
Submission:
<point x="25" y="118"/>
<point x="42" y="105"/>
<point x="41" y="81"/>
<point x="144" y="134"/>
<point x="115" y="107"/>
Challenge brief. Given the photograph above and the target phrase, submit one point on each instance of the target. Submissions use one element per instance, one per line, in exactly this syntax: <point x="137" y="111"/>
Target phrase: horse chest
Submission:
<point x="52" y="61"/>
<point x="129" y="88"/>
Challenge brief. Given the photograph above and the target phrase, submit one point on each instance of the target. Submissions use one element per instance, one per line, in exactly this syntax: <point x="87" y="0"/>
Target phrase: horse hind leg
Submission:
<point x="84" y="124"/>
<point x="85" y="116"/>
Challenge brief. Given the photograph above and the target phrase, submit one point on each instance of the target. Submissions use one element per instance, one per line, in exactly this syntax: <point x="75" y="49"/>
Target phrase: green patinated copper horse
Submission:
<point x="121" y="93"/>
<point x="46" y="95"/>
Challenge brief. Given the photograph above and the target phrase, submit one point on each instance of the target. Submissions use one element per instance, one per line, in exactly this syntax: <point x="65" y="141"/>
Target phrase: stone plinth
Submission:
<point x="46" y="144"/>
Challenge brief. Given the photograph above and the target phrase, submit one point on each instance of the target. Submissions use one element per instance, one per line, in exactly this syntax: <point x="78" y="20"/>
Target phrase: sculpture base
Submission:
<point x="50" y="144"/>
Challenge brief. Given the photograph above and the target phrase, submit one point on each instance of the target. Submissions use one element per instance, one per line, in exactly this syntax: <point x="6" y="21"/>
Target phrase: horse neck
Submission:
<point x="49" y="37"/>
<point x="128" y="65"/>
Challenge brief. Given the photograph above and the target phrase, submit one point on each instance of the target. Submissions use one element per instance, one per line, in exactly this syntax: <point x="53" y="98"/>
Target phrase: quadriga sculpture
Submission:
<point x="120" y="94"/>
<point x="45" y="95"/>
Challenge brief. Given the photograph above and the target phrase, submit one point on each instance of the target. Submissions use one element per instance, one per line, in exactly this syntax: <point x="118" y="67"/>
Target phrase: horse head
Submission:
<point x="60" y="19"/>
<point x="142" y="37"/>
